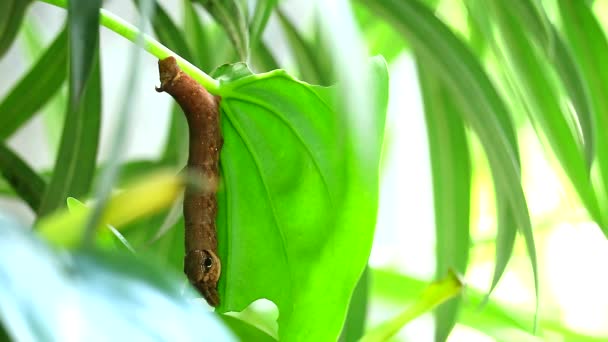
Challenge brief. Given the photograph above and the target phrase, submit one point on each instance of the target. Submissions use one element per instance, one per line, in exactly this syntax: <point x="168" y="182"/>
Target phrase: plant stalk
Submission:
<point x="130" y="32"/>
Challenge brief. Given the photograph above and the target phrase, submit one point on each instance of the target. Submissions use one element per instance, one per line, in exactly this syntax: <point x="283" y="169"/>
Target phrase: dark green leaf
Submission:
<point x="590" y="48"/>
<point x="451" y="187"/>
<point x="11" y="15"/>
<point x="26" y="182"/>
<point x="230" y="15"/>
<point x="484" y="110"/>
<point x="111" y="297"/>
<point x="75" y="165"/>
<point x="245" y="331"/>
<point x="298" y="195"/>
<point x="40" y="84"/>
<point x="53" y="113"/>
<point x="354" y="326"/>
<point x="263" y="9"/>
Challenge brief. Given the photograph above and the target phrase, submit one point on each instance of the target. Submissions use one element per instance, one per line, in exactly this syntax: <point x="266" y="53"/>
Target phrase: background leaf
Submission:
<point x="263" y="9"/>
<point x="77" y="155"/>
<point x="11" y="15"/>
<point x="42" y="81"/>
<point x="589" y="46"/>
<point x="485" y="112"/>
<point x="311" y="220"/>
<point x="25" y="181"/>
<point x="230" y="15"/>
<point x="451" y="187"/>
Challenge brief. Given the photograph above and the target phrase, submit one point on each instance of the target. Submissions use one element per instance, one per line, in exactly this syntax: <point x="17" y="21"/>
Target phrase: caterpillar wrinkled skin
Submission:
<point x="201" y="263"/>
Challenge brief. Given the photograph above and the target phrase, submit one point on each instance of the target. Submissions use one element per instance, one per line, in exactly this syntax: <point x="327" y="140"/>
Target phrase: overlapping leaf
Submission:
<point x="42" y="81"/>
<point x="298" y="203"/>
<point x="450" y="162"/>
<point x="77" y="155"/>
<point x="11" y="15"/>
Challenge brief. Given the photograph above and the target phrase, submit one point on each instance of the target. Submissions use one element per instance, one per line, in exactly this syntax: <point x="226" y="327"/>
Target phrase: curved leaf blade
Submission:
<point x="75" y="165"/>
<point x="309" y="69"/>
<point x="11" y="15"/>
<point x="537" y="90"/>
<point x="450" y="162"/>
<point x="590" y="48"/>
<point x="261" y="14"/>
<point x="484" y="110"/>
<point x="295" y="194"/>
<point x="40" y="84"/>
<point x="26" y="183"/>
<point x="230" y="15"/>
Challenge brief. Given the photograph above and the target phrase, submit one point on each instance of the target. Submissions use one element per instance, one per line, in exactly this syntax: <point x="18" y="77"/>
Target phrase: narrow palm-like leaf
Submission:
<point x="303" y="52"/>
<point x="11" y="15"/>
<point x="484" y="110"/>
<point x="590" y="48"/>
<point x="541" y="97"/>
<point x="261" y="13"/>
<point x="451" y="187"/>
<point x="230" y="15"/>
<point x="26" y="183"/>
<point x="167" y="32"/>
<point x="197" y="37"/>
<point x="77" y="155"/>
<point x="53" y="113"/>
<point x="543" y="33"/>
<point x="40" y="84"/>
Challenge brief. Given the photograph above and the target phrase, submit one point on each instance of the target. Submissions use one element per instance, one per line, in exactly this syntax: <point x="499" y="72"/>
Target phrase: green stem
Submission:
<point x="125" y="29"/>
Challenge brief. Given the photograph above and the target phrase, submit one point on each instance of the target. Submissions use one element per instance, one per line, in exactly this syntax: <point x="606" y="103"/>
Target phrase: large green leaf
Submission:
<point x="230" y="15"/>
<point x="11" y="15"/>
<point x="298" y="202"/>
<point x="590" y="48"/>
<point x="25" y="181"/>
<point x="47" y="295"/>
<point x="484" y="111"/>
<point x="75" y="165"/>
<point x="42" y="81"/>
<point x="451" y="187"/>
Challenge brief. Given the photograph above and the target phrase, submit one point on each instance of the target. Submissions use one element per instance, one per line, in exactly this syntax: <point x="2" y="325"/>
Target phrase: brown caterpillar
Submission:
<point x="201" y="263"/>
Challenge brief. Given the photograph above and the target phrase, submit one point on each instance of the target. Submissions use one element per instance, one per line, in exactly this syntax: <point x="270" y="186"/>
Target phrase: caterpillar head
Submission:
<point x="203" y="269"/>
